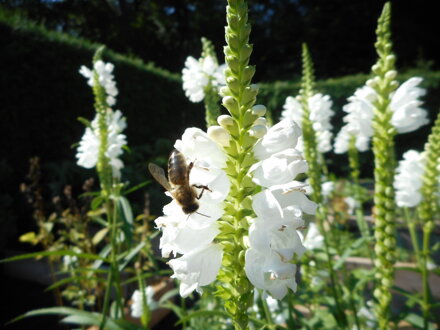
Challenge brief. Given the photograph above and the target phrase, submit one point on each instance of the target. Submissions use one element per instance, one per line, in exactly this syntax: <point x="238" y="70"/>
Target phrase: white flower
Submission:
<point x="274" y="238"/>
<point x="275" y="203"/>
<point x="268" y="272"/>
<point x="88" y="149"/>
<point x="197" y="268"/>
<point x="313" y="239"/>
<point x="279" y="137"/>
<point x="327" y="188"/>
<point x="192" y="235"/>
<point x="351" y="204"/>
<point x="105" y="78"/>
<point x="365" y="313"/>
<point x="320" y="115"/>
<point x="405" y="103"/>
<point x="197" y="74"/>
<point x="279" y="168"/>
<point x="360" y="112"/>
<point x="137" y="305"/>
<point x="408" y="179"/>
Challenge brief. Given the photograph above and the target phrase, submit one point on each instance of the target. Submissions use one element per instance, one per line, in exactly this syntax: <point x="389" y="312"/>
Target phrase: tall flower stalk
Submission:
<point x="383" y="148"/>
<point x="316" y="168"/>
<point x="429" y="208"/>
<point x="100" y="147"/>
<point x="202" y="79"/>
<point x="211" y="100"/>
<point x="239" y="97"/>
<point x="353" y="160"/>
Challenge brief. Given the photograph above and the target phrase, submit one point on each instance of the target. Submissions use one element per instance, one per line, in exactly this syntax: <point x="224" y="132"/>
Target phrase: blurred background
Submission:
<point x="43" y="43"/>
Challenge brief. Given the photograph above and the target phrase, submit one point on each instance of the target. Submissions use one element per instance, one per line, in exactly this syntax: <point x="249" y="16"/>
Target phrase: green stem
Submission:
<point x="315" y="171"/>
<point x="425" y="278"/>
<point x="266" y="310"/>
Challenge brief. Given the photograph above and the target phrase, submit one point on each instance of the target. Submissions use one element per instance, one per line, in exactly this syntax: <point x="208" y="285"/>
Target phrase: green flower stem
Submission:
<point x="146" y="313"/>
<point x="238" y="98"/>
<point x="266" y="310"/>
<point x="411" y="223"/>
<point x="315" y="170"/>
<point x="384" y="158"/>
<point x="103" y="166"/>
<point x="429" y="208"/>
<point x="113" y="278"/>
<point x="353" y="160"/>
<point x="212" y="109"/>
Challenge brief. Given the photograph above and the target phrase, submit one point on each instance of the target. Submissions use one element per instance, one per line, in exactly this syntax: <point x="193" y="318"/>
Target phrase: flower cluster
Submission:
<point x="137" y="306"/>
<point x="407" y="116"/>
<point x="197" y="74"/>
<point x="105" y="79"/>
<point x="408" y="179"/>
<point x="192" y="235"/>
<point x="320" y="115"/>
<point x="273" y="237"/>
<point x="89" y="146"/>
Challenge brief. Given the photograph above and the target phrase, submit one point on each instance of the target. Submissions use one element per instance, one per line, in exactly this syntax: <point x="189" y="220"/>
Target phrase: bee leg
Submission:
<point x="190" y="166"/>
<point x="203" y="189"/>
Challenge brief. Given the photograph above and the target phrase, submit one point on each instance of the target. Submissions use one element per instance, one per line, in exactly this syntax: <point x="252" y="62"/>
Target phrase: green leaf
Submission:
<point x="137" y="187"/>
<point x="84" y="121"/>
<point x="96" y="202"/>
<point x="53" y="253"/>
<point x="131" y="254"/>
<point x="74" y="279"/>
<point x="100" y="235"/>
<point x="168" y="295"/>
<point x="124" y="211"/>
<point x="412" y="297"/>
<point x="348" y="251"/>
<point x="202" y="313"/>
<point x="415" y="320"/>
<point x="74" y="316"/>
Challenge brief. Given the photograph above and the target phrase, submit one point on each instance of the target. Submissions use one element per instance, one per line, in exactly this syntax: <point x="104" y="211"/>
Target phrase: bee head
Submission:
<point x="191" y="208"/>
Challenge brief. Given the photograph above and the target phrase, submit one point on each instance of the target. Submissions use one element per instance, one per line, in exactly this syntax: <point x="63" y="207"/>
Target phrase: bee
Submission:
<point x="177" y="183"/>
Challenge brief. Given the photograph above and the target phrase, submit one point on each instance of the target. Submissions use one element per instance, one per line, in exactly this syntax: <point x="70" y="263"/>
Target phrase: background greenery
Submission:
<point x="340" y="33"/>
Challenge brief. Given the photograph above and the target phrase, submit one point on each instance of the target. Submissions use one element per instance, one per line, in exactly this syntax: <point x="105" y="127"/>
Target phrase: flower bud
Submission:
<point x="258" y="131"/>
<point x="225" y="120"/>
<point x="375" y="68"/>
<point x="394" y="84"/>
<point x="219" y="135"/>
<point x="370" y="83"/>
<point x="224" y="91"/>
<point x="260" y="121"/>
<point x="390" y="75"/>
<point x="259" y="110"/>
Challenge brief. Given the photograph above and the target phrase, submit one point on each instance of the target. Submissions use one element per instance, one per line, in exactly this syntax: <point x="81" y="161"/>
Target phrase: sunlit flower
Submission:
<point x="105" y="78"/>
<point x="280" y="137"/>
<point x="360" y="112"/>
<point x="407" y="116"/>
<point x="192" y="235"/>
<point x="408" y="179"/>
<point x="137" y="305"/>
<point x="197" y="74"/>
<point x="197" y="268"/>
<point x="268" y="272"/>
<point x="320" y="115"/>
<point x="313" y="239"/>
<point x="88" y="149"/>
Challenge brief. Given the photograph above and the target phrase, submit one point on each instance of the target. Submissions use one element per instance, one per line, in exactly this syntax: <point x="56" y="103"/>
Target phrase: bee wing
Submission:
<point x="159" y="174"/>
